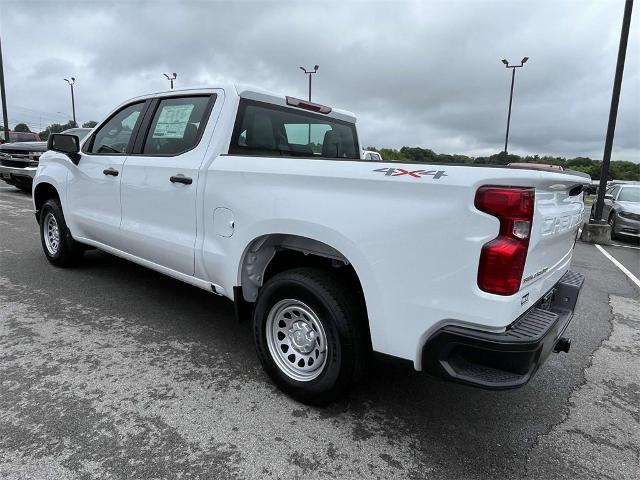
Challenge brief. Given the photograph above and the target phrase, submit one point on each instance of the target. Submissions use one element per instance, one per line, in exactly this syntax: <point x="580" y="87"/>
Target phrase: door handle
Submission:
<point x="111" y="171"/>
<point x="181" y="179"/>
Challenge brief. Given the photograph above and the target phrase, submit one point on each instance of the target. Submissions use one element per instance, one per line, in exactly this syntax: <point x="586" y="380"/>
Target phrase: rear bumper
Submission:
<point x="500" y="361"/>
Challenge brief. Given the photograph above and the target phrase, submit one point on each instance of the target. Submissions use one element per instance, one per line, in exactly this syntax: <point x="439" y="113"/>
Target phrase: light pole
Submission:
<point x="73" y="100"/>
<point x="310" y="72"/>
<point x="171" y="79"/>
<point x="513" y="78"/>
<point x="3" y="98"/>
<point x="613" y="110"/>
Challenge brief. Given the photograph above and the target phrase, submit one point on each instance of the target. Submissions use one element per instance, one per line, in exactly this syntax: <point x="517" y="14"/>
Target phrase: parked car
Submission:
<point x="15" y="137"/>
<point x="19" y="161"/>
<point x="621" y="208"/>
<point x="462" y="270"/>
<point x="370" y="155"/>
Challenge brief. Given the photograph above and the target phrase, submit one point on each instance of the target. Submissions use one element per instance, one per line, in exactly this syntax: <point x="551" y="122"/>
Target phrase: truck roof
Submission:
<point x="251" y="93"/>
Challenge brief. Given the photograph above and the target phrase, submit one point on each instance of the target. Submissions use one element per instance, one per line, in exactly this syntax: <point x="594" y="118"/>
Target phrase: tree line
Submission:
<point x="53" y="128"/>
<point x="618" y="169"/>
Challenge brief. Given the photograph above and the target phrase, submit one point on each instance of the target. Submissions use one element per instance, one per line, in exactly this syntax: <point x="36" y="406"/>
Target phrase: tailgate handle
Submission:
<point x="577" y="190"/>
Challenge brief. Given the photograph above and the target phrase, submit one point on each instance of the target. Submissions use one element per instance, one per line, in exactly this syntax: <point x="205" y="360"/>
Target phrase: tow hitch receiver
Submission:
<point x="562" y="345"/>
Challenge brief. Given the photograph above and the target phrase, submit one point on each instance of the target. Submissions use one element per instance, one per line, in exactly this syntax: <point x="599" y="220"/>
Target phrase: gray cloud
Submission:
<point x="415" y="73"/>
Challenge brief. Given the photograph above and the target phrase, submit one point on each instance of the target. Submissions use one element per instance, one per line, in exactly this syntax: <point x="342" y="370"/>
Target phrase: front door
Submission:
<point x="159" y="183"/>
<point x="93" y="191"/>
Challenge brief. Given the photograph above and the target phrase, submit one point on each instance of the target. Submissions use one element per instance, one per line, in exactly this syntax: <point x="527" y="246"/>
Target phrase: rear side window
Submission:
<point x="113" y="136"/>
<point x="270" y="130"/>
<point x="177" y="125"/>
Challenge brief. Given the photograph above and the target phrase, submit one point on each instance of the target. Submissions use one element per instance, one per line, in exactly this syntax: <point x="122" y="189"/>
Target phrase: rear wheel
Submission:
<point x="310" y="334"/>
<point x="58" y="245"/>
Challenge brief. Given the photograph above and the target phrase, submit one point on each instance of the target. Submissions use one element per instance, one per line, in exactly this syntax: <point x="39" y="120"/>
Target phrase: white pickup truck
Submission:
<point x="264" y="199"/>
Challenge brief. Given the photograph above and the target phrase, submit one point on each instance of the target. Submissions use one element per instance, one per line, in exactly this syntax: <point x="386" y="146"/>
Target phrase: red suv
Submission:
<point x="20" y="137"/>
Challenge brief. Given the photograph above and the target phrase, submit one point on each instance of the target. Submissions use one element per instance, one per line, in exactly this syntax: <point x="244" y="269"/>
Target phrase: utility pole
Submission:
<point x="513" y="79"/>
<point x="73" y="100"/>
<point x="3" y="97"/>
<point x="613" y="111"/>
<point x="171" y="79"/>
<point x="310" y="72"/>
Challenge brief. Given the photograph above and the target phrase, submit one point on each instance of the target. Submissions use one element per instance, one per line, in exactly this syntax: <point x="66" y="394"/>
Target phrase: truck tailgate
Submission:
<point x="556" y="219"/>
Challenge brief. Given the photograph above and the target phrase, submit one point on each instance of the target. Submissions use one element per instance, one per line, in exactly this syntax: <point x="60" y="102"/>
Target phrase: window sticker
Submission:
<point x="173" y="121"/>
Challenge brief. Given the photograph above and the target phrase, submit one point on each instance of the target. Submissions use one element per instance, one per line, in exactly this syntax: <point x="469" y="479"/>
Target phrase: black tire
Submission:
<point x="340" y="309"/>
<point x="612" y="223"/>
<point x="68" y="251"/>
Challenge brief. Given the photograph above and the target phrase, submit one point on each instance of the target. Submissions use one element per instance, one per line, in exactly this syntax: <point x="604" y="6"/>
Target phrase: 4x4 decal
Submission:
<point x="396" y="172"/>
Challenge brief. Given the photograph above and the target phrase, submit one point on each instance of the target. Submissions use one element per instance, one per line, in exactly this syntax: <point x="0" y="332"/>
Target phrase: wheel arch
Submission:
<point x="42" y="192"/>
<point x="269" y="254"/>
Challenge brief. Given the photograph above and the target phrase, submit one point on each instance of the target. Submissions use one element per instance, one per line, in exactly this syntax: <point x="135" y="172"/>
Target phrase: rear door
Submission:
<point x="160" y="182"/>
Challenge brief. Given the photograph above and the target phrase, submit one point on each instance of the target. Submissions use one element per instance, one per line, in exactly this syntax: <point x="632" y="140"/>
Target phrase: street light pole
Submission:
<point x="613" y="111"/>
<point x="513" y="79"/>
<point x="73" y="100"/>
<point x="171" y="79"/>
<point x="310" y="72"/>
<point x="3" y="98"/>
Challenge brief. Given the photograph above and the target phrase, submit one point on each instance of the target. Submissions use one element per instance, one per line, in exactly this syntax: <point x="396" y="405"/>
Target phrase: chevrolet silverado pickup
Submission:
<point x="264" y="199"/>
<point x="19" y="159"/>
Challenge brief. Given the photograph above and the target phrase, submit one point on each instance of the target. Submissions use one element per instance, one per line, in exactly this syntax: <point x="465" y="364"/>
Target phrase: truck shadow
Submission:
<point x="444" y="420"/>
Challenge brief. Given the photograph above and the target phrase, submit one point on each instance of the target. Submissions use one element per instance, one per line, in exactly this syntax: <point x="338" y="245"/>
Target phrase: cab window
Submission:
<point x="177" y="125"/>
<point x="264" y="129"/>
<point x="114" y="136"/>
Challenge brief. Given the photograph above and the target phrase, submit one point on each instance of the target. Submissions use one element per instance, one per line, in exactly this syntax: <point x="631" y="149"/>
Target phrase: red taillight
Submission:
<point x="502" y="259"/>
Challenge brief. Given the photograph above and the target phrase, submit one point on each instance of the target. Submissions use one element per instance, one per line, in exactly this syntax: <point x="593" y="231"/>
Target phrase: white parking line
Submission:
<point x="631" y="276"/>
<point x="624" y="246"/>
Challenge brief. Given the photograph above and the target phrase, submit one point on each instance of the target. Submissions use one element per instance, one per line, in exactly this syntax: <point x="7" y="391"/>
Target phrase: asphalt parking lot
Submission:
<point x="110" y="370"/>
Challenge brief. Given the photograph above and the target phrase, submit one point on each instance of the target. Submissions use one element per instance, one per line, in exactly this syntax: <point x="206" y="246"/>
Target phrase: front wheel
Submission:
<point x="58" y="245"/>
<point x="612" y="223"/>
<point x="310" y="334"/>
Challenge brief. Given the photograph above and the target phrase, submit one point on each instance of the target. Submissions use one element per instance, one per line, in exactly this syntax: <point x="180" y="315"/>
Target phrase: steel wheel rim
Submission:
<point x="296" y="339"/>
<point x="51" y="234"/>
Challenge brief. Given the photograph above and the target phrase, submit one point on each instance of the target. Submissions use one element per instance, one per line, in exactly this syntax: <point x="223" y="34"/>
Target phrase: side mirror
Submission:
<point x="608" y="196"/>
<point x="67" y="144"/>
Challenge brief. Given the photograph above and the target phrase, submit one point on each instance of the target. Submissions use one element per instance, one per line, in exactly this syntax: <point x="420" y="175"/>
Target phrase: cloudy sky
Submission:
<point x="424" y="73"/>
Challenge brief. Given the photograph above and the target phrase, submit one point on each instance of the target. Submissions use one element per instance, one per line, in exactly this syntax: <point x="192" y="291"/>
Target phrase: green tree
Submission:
<point x="89" y="124"/>
<point x="21" y="127"/>
<point x="56" y="128"/>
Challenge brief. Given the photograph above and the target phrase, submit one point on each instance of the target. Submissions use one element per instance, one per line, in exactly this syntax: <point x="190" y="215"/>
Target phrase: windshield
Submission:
<point x="78" y="132"/>
<point x="629" y="195"/>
